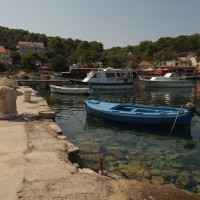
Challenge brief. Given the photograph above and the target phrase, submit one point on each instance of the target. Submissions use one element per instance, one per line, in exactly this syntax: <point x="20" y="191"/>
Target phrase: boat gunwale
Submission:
<point x="69" y="90"/>
<point x="138" y="114"/>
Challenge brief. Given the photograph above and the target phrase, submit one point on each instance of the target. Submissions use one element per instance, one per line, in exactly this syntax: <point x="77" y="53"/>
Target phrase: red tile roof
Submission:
<point x="2" y="49"/>
<point x="31" y="43"/>
<point x="144" y="63"/>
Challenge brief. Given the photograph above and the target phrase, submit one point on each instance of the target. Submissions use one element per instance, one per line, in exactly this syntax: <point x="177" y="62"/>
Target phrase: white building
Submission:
<point x="26" y="47"/>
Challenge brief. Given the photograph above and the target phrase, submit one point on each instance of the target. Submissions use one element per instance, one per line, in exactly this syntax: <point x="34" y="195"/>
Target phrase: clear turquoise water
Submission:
<point x="145" y="153"/>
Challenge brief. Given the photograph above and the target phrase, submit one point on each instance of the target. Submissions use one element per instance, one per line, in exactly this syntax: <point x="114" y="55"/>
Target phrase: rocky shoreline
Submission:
<point x="38" y="162"/>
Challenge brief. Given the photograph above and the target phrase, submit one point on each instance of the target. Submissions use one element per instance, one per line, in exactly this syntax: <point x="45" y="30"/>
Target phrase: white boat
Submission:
<point x="109" y="78"/>
<point x="169" y="80"/>
<point x="70" y="90"/>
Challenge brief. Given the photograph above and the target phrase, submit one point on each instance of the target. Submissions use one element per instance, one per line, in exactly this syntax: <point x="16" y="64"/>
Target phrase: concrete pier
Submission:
<point x="42" y="84"/>
<point x="35" y="163"/>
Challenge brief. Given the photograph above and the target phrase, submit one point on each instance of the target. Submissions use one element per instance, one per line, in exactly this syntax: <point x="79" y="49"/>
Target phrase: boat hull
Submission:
<point x="106" y="111"/>
<point x="105" y="86"/>
<point x="65" y="90"/>
<point x="166" y="84"/>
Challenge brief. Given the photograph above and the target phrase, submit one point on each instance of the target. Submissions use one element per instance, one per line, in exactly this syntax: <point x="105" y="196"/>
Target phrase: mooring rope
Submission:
<point x="174" y="121"/>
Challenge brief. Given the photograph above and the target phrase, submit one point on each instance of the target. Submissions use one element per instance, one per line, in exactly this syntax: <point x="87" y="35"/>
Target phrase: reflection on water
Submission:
<point x="145" y="153"/>
<point x="93" y="122"/>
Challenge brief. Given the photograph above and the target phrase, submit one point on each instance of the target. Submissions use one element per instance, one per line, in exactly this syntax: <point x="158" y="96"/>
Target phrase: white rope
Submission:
<point x="174" y="122"/>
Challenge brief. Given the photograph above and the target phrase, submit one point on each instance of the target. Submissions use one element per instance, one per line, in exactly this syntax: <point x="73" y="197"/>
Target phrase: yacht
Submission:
<point x="109" y="78"/>
<point x="168" y="80"/>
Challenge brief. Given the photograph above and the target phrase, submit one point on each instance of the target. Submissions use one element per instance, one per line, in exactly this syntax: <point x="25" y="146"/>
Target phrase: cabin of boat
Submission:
<point x="78" y="73"/>
<point x="104" y="75"/>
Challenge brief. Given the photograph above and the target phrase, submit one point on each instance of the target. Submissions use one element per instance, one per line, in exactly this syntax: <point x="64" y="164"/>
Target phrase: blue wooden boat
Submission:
<point x="139" y="114"/>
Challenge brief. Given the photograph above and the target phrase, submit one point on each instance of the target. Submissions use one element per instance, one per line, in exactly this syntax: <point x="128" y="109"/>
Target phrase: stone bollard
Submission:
<point x="101" y="172"/>
<point x="8" y="97"/>
<point x="27" y="95"/>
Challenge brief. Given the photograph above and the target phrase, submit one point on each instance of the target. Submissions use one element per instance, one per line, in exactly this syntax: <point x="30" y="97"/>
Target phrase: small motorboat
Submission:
<point x="170" y="80"/>
<point x="139" y="114"/>
<point x="70" y="90"/>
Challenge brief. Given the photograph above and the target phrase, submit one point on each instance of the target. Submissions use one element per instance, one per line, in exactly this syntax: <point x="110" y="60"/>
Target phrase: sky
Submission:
<point x="114" y="23"/>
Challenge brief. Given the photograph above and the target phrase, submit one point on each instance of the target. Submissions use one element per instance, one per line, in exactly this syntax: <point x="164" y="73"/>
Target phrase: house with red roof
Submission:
<point x="4" y="54"/>
<point x="144" y="65"/>
<point x="26" y="47"/>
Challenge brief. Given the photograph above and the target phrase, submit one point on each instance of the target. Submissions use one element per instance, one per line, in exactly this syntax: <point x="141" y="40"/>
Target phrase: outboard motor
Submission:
<point x="191" y="107"/>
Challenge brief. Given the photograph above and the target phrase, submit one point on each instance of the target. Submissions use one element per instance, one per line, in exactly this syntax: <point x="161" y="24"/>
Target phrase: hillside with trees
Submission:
<point x="61" y="53"/>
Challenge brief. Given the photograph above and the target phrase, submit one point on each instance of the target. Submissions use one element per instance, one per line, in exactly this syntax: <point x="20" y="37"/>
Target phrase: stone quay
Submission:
<point x="37" y="162"/>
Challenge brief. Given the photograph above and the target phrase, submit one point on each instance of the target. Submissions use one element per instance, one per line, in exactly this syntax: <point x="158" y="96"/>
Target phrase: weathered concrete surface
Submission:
<point x="8" y="98"/>
<point x="34" y="165"/>
<point x="12" y="159"/>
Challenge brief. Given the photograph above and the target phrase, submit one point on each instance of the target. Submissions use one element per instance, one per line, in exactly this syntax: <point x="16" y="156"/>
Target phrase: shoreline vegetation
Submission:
<point x="58" y="54"/>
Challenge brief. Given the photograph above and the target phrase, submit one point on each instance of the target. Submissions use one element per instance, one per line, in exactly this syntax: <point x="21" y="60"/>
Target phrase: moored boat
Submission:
<point x="69" y="90"/>
<point x="109" y="78"/>
<point x="169" y="80"/>
<point x="139" y="114"/>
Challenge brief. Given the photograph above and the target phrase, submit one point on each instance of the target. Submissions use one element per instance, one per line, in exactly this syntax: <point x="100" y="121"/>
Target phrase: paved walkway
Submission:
<point x="13" y="144"/>
<point x="34" y="163"/>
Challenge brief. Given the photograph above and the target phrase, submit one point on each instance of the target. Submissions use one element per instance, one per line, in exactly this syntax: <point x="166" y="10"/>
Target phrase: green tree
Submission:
<point x="69" y="46"/>
<point x="29" y="60"/>
<point x="95" y="51"/>
<point x="16" y="57"/>
<point x="146" y="50"/>
<point x="164" y="43"/>
<point x="44" y="39"/>
<point x="181" y="45"/>
<point x="193" y="42"/>
<point x="58" y="63"/>
<point x="115" y="57"/>
<point x="3" y="67"/>
<point x="198" y="55"/>
<point x="165" y="55"/>
<point x="82" y="50"/>
<point x="56" y="47"/>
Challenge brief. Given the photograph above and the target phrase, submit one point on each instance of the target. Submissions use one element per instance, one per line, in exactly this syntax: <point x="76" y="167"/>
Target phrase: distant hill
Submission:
<point x="74" y="51"/>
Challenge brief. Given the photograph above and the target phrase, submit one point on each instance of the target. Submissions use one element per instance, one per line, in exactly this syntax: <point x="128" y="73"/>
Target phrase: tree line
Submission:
<point x="61" y="53"/>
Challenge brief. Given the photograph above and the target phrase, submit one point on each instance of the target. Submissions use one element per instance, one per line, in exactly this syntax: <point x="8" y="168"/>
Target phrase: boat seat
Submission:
<point x="124" y="108"/>
<point x="145" y="110"/>
<point x="139" y="113"/>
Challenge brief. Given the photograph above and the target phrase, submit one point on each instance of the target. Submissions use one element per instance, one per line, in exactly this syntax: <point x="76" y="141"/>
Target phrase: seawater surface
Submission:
<point x="141" y="152"/>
